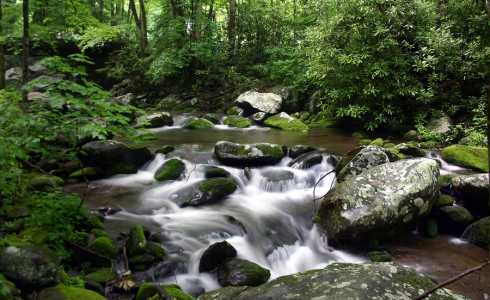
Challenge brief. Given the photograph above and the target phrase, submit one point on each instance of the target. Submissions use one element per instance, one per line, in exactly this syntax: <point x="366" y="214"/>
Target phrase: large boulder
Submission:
<point x="172" y="169"/>
<point x="252" y="102"/>
<point x="382" y="281"/>
<point x="204" y="192"/>
<point x="248" y="155"/>
<point x="472" y="190"/>
<point x="380" y="201"/>
<point x="112" y="157"/>
<point x="478" y="233"/>
<point x="285" y="122"/>
<point x="29" y="267"/>
<point x="360" y="160"/>
<point x="440" y="124"/>
<point x="240" y="272"/>
<point x="62" y="292"/>
<point x="475" y="158"/>
<point x="215" y="255"/>
<point x="156" y="120"/>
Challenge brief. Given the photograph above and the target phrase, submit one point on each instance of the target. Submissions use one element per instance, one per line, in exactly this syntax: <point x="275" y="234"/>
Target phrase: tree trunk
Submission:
<point x="211" y="11"/>
<point x="177" y="9"/>
<point x="488" y="8"/>
<point x="143" y="26"/>
<point x="2" y="51"/>
<point x="488" y="112"/>
<point x="25" y="46"/>
<point x="231" y="27"/>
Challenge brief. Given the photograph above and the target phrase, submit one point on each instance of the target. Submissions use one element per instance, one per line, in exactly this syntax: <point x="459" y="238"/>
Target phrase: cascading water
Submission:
<point x="268" y="219"/>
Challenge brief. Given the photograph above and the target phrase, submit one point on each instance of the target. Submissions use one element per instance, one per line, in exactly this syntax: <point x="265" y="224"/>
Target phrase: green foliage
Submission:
<point x="99" y="36"/>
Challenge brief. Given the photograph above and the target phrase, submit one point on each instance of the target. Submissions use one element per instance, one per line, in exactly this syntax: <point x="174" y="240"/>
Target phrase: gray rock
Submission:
<point x="478" y="233"/>
<point x="112" y="157"/>
<point x="156" y="120"/>
<point x="278" y="175"/>
<point x="208" y="191"/>
<point x="125" y="99"/>
<point x="384" y="281"/>
<point x="13" y="75"/>
<point x="440" y="124"/>
<point x="307" y="160"/>
<point x="215" y="255"/>
<point x="381" y="201"/>
<point x="472" y="190"/>
<point x="248" y="154"/>
<point x="29" y="267"/>
<point x="411" y="150"/>
<point x="360" y="160"/>
<point x="253" y="102"/>
<point x="453" y="219"/>
<point x="298" y="150"/>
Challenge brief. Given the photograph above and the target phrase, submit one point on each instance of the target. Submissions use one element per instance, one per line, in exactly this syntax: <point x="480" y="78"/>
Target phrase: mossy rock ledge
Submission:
<point x="380" y="202"/>
<point x="237" y="122"/>
<point x="475" y="158"/>
<point x="382" y="281"/>
<point x="285" y="122"/>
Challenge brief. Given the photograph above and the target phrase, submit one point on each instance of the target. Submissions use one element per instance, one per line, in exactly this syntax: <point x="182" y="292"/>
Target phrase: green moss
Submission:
<point x="389" y="145"/>
<point x="165" y="149"/>
<point x="171" y="170"/>
<point x="445" y="180"/>
<point x="378" y="142"/>
<point x="444" y="200"/>
<point x="475" y="158"/>
<point x="44" y="182"/>
<point x="62" y="292"/>
<point x="380" y="256"/>
<point x="155" y="250"/>
<point x="7" y="289"/>
<point x="215" y="172"/>
<point x="218" y="187"/>
<point x="478" y="233"/>
<point x="101" y="276"/>
<point x="429" y="145"/>
<point x="234" y="111"/>
<point x="137" y="240"/>
<point x="104" y="246"/>
<point x="198" y="123"/>
<point x="271" y="150"/>
<point x="365" y="142"/>
<point x="237" y="121"/>
<point x="84" y="172"/>
<point x="148" y="290"/>
<point x="287" y="124"/>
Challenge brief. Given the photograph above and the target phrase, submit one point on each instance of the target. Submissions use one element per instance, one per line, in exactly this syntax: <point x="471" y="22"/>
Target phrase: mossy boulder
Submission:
<point x="411" y="150"/>
<point x="172" y="169"/>
<point x="239" y="272"/>
<point x="62" y="292"/>
<point x="101" y="276"/>
<point x="478" y="233"/>
<point x="198" y="123"/>
<point x="142" y="253"/>
<point x="207" y="191"/>
<point x="165" y="149"/>
<point x="44" y="182"/>
<point x="104" y="246"/>
<point x="444" y="200"/>
<point x="235" y="111"/>
<point x="475" y="158"/>
<point x="472" y="190"/>
<point x="237" y="121"/>
<point x="244" y="155"/>
<point x="151" y="291"/>
<point x="215" y="255"/>
<point x="341" y="281"/>
<point x="137" y="240"/>
<point x="380" y="202"/>
<point x="429" y="227"/>
<point x="112" y="157"/>
<point x="307" y="160"/>
<point x="285" y="122"/>
<point x="215" y="172"/>
<point x="29" y="267"/>
<point x="213" y="118"/>
<point x="155" y="120"/>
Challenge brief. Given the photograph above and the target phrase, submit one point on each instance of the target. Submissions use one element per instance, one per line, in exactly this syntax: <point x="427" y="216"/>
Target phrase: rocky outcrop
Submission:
<point x="380" y="201"/>
<point x="29" y="267"/>
<point x="112" y="157"/>
<point x="252" y="102"/>
<point x="472" y="190"/>
<point x="360" y="160"/>
<point x="382" y="281"/>
<point x="248" y="155"/>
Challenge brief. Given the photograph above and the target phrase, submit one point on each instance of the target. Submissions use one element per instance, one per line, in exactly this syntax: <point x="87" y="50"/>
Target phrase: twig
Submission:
<point x="316" y="184"/>
<point x="452" y="279"/>
<point x="190" y="173"/>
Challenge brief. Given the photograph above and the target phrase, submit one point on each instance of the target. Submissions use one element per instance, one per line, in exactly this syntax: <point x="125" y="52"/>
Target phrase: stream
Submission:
<point x="268" y="219"/>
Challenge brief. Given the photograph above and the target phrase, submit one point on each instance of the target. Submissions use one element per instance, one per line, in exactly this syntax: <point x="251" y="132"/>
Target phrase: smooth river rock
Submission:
<point x="380" y="201"/>
<point x="248" y="154"/>
<point x="339" y="281"/>
<point x="253" y="102"/>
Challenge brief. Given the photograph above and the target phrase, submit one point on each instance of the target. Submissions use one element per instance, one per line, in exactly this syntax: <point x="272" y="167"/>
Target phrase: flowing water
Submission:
<point x="268" y="221"/>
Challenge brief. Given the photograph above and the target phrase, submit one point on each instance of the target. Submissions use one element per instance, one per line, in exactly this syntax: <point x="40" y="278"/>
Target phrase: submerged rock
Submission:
<point x="253" y="102"/>
<point x="361" y="159"/>
<point x="380" y="201"/>
<point x="237" y="121"/>
<point x="475" y="158"/>
<point x="307" y="160"/>
<point x="204" y="192"/>
<point x="112" y="157"/>
<point x="172" y="169"/>
<point x="239" y="272"/>
<point x="215" y="255"/>
<point x="478" y="233"/>
<point x="29" y="267"/>
<point x="285" y="122"/>
<point x="473" y="191"/>
<point x="383" y="281"/>
<point x="277" y="175"/>
<point x="248" y="155"/>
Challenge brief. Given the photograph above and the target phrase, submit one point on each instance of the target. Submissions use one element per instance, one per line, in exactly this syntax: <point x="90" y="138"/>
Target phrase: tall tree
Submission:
<point x="231" y="27"/>
<point x="488" y="113"/>
<point x="25" y="46"/>
<point x="2" y="50"/>
<point x="140" y="22"/>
